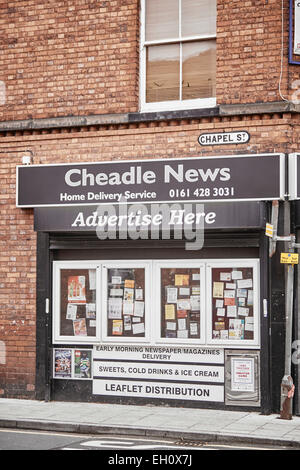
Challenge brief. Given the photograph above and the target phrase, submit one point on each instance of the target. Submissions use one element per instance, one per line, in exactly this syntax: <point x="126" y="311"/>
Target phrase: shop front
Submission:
<point x="162" y="302"/>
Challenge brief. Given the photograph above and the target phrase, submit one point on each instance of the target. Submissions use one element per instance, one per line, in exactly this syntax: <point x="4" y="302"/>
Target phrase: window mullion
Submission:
<point x="179" y="20"/>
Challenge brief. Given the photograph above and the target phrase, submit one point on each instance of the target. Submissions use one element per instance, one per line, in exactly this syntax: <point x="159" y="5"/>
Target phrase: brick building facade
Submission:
<point x="72" y="78"/>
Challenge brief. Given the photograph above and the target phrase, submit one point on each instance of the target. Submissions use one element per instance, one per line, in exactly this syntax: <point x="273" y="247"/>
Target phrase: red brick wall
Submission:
<point x="71" y="57"/>
<point x="64" y="58"/>
<point x="80" y="57"/>
<point x="249" y="51"/>
<point x="269" y="133"/>
<point x="17" y="289"/>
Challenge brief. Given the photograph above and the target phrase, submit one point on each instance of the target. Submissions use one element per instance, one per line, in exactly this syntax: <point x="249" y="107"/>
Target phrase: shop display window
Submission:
<point x="156" y="301"/>
<point x="75" y="303"/>
<point x="125" y="302"/>
<point x="233" y="298"/>
<point x="181" y="295"/>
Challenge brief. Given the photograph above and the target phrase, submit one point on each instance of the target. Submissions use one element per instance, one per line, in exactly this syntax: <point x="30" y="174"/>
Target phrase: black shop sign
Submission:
<point x="204" y="179"/>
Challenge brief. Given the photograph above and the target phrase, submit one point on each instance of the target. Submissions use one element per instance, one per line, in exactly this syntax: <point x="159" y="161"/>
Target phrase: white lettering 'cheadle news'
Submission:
<point x="135" y="176"/>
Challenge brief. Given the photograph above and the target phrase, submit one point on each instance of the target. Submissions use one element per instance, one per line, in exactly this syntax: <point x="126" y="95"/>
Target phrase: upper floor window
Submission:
<point x="178" y="54"/>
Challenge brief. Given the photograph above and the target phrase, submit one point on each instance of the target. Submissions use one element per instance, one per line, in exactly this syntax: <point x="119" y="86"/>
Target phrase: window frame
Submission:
<point x="167" y="105"/>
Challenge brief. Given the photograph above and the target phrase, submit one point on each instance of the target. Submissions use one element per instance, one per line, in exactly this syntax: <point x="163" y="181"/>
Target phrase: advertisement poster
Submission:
<point x="72" y="364"/>
<point x="63" y="363"/>
<point x="76" y="289"/>
<point x="80" y="327"/>
<point x="82" y="364"/>
<point x="242" y="374"/>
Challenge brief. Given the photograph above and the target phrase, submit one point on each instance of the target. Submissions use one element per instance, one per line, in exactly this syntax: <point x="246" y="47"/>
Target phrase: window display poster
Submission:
<point x="128" y="306"/>
<point x="71" y="312"/>
<point x="138" y="328"/>
<point x="115" y="305"/>
<point x="139" y="294"/>
<point x="169" y="312"/>
<point x="127" y="323"/>
<point x="129" y="283"/>
<point x="63" y="363"/>
<point x="117" y="327"/>
<point x="236" y="329"/>
<point x="139" y="308"/>
<point x="232" y="305"/>
<point x="76" y="289"/>
<point x="242" y="374"/>
<point x="91" y="311"/>
<point x="116" y="292"/>
<point x="80" y="327"/>
<point x="180" y="303"/>
<point x="172" y="294"/>
<point x="181" y="279"/>
<point x="82" y="364"/>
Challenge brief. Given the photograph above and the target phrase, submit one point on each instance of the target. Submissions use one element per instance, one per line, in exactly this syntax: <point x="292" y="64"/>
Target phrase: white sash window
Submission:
<point x="178" y="54"/>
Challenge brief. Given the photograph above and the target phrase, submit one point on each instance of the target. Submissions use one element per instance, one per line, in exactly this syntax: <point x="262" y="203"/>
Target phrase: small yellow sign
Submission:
<point x="269" y="230"/>
<point x="289" y="258"/>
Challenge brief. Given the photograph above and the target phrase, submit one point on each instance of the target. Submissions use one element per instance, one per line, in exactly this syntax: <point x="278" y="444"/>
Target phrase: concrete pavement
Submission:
<point x="148" y="420"/>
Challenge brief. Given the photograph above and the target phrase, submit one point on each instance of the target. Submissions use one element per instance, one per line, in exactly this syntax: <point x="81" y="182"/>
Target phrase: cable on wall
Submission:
<point x="281" y="59"/>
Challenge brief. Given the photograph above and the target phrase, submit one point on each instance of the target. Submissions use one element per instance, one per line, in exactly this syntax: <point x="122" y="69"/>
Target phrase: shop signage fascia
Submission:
<point x="206" y="179"/>
<point x="219" y="215"/>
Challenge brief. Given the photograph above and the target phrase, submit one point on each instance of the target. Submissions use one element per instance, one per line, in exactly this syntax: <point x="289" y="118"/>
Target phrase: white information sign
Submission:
<point x="160" y="353"/>
<point x="152" y="370"/>
<point x="163" y="372"/>
<point x="159" y="390"/>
